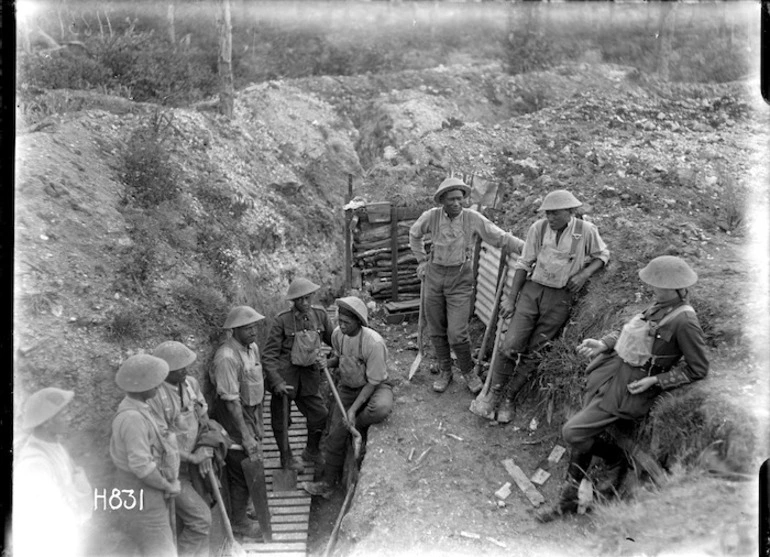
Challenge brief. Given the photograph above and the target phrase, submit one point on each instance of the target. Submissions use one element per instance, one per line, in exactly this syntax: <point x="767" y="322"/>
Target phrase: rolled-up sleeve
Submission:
<point x="595" y="246"/>
<point x="226" y="374"/>
<point x="494" y="235"/>
<point x="530" y="250"/>
<point x="416" y="233"/>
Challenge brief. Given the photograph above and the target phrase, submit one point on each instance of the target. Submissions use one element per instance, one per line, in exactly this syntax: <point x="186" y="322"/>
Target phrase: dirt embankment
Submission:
<point x="664" y="170"/>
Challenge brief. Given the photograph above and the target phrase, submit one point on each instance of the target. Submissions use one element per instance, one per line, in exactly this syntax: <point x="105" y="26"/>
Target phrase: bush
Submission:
<point x="147" y="170"/>
<point x="62" y="69"/>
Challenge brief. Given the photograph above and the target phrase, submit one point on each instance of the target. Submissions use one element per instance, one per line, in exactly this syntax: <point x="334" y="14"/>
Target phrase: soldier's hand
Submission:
<point x="506" y="309"/>
<point x="250" y="444"/>
<point x="174" y="489"/>
<point x="590" y="348"/>
<point x="576" y="282"/>
<point x="285" y="389"/>
<point x="422" y="269"/>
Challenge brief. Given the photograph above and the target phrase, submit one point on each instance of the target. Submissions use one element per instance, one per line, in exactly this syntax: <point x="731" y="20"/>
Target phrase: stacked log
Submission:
<point x="372" y="249"/>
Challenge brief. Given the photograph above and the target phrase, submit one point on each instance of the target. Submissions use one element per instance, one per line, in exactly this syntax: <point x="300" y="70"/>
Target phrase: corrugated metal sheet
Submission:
<point x="486" y="280"/>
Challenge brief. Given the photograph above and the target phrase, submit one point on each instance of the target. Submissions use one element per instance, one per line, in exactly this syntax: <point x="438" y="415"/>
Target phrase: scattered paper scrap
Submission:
<point x="533" y="424"/>
<point x="453" y="436"/>
<point x="498" y="543"/>
<point x="470" y="535"/>
<point x="526" y="486"/>
<point x="540" y="476"/>
<point x="556" y="453"/>
<point x="504" y="491"/>
<point x="411" y="454"/>
<point x="585" y="496"/>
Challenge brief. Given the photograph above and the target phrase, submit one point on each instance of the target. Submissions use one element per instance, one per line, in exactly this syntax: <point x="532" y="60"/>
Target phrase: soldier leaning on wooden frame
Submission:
<point x="447" y="274"/>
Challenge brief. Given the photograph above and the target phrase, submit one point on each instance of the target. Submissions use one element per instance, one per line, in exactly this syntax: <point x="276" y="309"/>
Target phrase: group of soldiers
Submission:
<point x="628" y="369"/>
<point x="167" y="443"/>
<point x="170" y="450"/>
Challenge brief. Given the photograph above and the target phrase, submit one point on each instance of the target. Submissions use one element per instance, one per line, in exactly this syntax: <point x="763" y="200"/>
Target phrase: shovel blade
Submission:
<point x="284" y="480"/>
<point x="415" y="366"/>
<point x="254" y="473"/>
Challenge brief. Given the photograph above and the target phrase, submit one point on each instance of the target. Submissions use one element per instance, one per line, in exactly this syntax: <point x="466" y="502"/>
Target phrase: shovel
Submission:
<point x="353" y="431"/>
<point x="418" y="360"/>
<point x="483" y="396"/>
<point x="232" y="547"/>
<point x="286" y="478"/>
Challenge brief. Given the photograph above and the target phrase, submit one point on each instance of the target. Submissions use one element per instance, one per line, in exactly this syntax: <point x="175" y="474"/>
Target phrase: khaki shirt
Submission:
<point x="179" y="408"/>
<point x="590" y="246"/>
<point x="453" y="241"/>
<point x="237" y="373"/>
<point x="134" y="444"/>
<point x="369" y="350"/>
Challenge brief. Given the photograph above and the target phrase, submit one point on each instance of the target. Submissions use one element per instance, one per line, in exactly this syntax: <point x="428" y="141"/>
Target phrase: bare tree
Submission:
<point x="664" y="37"/>
<point x="171" y="20"/>
<point x="224" y="61"/>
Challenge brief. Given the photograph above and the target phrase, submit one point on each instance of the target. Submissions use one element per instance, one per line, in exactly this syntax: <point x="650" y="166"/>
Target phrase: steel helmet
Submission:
<point x="176" y="354"/>
<point x="240" y="316"/>
<point x="300" y="287"/>
<point x="668" y="271"/>
<point x="450" y="184"/>
<point x="43" y="405"/>
<point x="559" y="199"/>
<point x="141" y="372"/>
<point x="356" y="306"/>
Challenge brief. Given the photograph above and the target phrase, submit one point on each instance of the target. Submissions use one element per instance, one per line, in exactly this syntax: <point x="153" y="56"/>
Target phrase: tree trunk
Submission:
<point x="664" y="39"/>
<point x="224" y="61"/>
<point x="171" y="19"/>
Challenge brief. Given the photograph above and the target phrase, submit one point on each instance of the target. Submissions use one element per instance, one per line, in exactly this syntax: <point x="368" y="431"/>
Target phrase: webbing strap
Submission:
<point x="577" y="234"/>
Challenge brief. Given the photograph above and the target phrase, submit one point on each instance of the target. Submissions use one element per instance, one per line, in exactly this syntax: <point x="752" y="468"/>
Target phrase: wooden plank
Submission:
<point x="394" y="250"/>
<point x="290" y="527"/>
<point x="279" y="553"/>
<point x="294" y="509"/>
<point x="526" y="486"/>
<point x="288" y="500"/>
<point x="290" y="536"/>
<point x="406" y="305"/>
<point x="266" y="547"/>
<point x="289" y="519"/>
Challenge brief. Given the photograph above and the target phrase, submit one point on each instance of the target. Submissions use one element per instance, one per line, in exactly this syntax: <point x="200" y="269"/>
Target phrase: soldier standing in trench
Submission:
<point x="447" y="275"/>
<point x="181" y="407"/>
<point x="560" y="254"/>
<point x="239" y="378"/>
<point x="147" y="461"/>
<point x="367" y="395"/>
<point x="292" y="348"/>
<point x="630" y="369"/>
<point x="50" y="491"/>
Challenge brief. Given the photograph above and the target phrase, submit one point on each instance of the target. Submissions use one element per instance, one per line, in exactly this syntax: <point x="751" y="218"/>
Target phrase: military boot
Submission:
<point x="291" y="462"/>
<point x="568" y="498"/>
<point x="507" y="409"/>
<point x="311" y="453"/>
<point x="465" y="363"/>
<point x="617" y="464"/>
<point x="443" y="380"/>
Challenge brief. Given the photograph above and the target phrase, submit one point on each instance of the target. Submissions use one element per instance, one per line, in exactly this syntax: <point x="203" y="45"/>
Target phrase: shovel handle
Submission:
<point x="221" y="505"/>
<point x="353" y="431"/>
<point x="286" y="409"/>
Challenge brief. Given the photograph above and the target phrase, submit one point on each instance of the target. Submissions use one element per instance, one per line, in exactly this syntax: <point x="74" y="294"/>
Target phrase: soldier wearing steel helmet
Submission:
<point x="628" y="371"/>
<point x="364" y="387"/>
<point x="291" y="352"/>
<point x="447" y="275"/>
<point x="560" y="254"/>
<point x="49" y="488"/>
<point x="147" y="461"/>
<point x="180" y="406"/>
<point x="239" y="379"/>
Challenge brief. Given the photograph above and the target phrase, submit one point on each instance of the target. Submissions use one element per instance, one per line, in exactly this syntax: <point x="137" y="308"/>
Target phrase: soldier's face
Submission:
<point x="302" y="304"/>
<point x="177" y="376"/>
<point x="453" y="202"/>
<point x="246" y="334"/>
<point x="348" y="325"/>
<point x="558" y="219"/>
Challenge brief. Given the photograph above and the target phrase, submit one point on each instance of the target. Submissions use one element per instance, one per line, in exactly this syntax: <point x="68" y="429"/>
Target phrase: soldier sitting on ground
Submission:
<point x="628" y="373"/>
